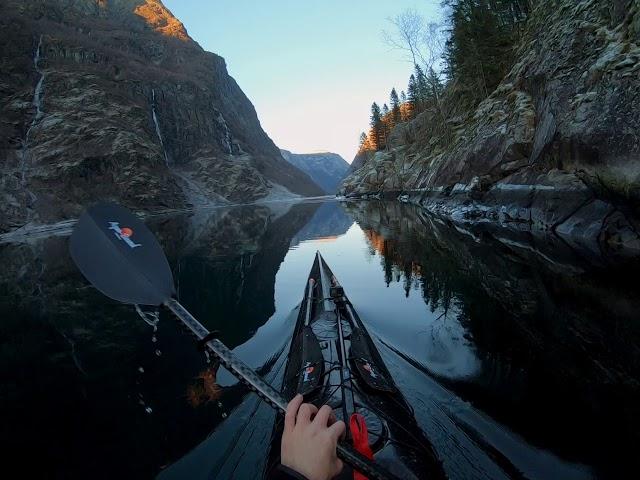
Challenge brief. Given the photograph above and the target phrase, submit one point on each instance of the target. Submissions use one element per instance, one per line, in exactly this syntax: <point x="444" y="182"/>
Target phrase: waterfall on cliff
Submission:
<point x="37" y="103"/>
<point x="192" y="190"/>
<point x="155" y="122"/>
<point x="226" y="140"/>
<point x="24" y="152"/>
<point x="37" y="95"/>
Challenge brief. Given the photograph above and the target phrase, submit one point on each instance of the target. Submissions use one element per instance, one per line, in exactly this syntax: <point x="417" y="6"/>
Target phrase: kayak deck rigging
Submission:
<point x="333" y="360"/>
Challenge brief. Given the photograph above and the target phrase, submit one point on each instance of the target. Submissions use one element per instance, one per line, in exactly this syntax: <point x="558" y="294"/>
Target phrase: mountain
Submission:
<point x="111" y="99"/>
<point x="554" y="148"/>
<point x="325" y="168"/>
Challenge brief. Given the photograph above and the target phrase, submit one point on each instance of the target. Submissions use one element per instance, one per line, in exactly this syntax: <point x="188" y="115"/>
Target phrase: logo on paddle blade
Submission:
<point x="123" y="234"/>
<point x="307" y="371"/>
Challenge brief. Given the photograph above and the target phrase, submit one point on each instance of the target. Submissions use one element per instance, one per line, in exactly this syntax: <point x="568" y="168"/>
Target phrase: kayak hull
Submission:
<point x="333" y="360"/>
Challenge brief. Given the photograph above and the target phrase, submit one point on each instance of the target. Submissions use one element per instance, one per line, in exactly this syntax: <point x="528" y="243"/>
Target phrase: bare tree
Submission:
<point x="407" y="34"/>
<point x="422" y="43"/>
<point x="433" y="46"/>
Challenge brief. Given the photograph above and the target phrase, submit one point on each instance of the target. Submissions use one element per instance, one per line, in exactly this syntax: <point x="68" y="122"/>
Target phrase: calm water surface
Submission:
<point x="519" y="355"/>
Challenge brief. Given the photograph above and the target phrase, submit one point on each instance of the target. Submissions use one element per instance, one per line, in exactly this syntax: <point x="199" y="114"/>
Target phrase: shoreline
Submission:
<point x="574" y="216"/>
<point x="63" y="228"/>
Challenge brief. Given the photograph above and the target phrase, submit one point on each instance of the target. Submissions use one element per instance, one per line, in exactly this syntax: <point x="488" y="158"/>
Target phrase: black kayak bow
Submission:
<point x="120" y="256"/>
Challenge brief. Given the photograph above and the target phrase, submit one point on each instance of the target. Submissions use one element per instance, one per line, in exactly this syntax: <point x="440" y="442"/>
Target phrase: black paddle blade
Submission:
<point x="118" y="254"/>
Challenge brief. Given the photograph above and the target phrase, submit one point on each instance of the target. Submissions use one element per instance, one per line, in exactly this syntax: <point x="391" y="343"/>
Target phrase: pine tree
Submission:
<point x="421" y="87"/>
<point x="395" y="106"/>
<point x="412" y="97"/>
<point x="480" y="48"/>
<point x="362" y="142"/>
<point x="404" y="107"/>
<point x="387" y="125"/>
<point x="376" y="126"/>
<point x="435" y="85"/>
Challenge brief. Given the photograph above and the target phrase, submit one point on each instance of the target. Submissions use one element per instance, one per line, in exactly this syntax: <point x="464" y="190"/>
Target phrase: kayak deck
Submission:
<point x="333" y="360"/>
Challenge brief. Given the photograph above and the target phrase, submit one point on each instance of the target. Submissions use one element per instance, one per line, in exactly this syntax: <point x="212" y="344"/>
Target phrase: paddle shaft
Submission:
<point x="120" y="256"/>
<point x="228" y="359"/>
<point x="265" y="391"/>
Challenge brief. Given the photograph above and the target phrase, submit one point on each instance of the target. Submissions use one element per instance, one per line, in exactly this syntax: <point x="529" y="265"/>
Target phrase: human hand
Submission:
<point x="309" y="440"/>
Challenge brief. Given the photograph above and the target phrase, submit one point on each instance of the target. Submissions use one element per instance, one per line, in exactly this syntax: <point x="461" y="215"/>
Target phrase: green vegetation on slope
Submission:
<point x="469" y="54"/>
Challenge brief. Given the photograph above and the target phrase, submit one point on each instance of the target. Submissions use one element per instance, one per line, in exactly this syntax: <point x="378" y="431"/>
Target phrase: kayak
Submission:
<point x="333" y="360"/>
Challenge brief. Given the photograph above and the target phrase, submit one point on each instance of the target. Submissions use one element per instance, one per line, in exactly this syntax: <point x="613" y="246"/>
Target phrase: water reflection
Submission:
<point x="519" y="357"/>
<point x="204" y="388"/>
<point x="328" y="222"/>
<point x="549" y="351"/>
<point x="441" y="334"/>
<point x="83" y="383"/>
<point x="226" y="271"/>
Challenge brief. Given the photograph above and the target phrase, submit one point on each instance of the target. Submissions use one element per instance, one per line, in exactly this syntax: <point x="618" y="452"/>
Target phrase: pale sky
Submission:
<point x="310" y="68"/>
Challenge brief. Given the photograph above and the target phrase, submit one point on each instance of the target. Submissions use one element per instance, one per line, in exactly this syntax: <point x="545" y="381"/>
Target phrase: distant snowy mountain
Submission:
<point x="325" y="168"/>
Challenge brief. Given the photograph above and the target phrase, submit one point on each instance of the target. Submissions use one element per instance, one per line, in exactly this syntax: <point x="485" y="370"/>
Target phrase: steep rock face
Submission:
<point x="555" y="147"/>
<point x="359" y="160"/>
<point x="326" y="169"/>
<point x="113" y="99"/>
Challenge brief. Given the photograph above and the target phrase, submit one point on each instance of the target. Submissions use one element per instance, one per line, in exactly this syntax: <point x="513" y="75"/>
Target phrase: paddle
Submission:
<point x="118" y="254"/>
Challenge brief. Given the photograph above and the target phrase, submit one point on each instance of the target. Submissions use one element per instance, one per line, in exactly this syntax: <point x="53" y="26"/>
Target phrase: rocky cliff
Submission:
<point x="113" y="99"/>
<point x="325" y="168"/>
<point x="556" y="147"/>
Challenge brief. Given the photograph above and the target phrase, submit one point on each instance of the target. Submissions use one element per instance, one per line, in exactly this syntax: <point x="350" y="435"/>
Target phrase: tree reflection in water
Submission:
<point x="555" y="334"/>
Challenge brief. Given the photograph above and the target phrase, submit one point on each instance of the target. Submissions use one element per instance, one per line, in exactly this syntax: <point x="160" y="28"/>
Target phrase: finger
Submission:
<point x="337" y="468"/>
<point x="337" y="430"/>
<point x="290" y="414"/>
<point x="322" y="418"/>
<point x="305" y="412"/>
<point x="332" y="418"/>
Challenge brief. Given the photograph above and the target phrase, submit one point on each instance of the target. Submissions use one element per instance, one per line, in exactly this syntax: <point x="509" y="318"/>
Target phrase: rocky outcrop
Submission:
<point x="362" y="157"/>
<point x="325" y="168"/>
<point x="556" y="147"/>
<point x="111" y="99"/>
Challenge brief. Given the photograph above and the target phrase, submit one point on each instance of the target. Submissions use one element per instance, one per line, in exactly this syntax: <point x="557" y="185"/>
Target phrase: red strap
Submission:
<point x="360" y="435"/>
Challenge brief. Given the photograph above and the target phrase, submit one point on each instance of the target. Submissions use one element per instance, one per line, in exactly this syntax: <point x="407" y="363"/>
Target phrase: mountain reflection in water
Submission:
<point x="519" y="356"/>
